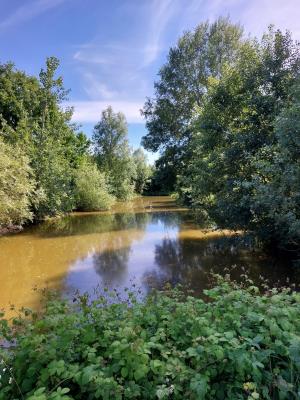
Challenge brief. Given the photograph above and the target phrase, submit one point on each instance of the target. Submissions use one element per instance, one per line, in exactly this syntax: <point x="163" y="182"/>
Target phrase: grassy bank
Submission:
<point x="238" y="344"/>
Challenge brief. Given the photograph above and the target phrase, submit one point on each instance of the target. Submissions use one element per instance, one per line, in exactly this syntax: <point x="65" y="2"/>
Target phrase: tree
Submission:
<point x="19" y="105"/>
<point x="143" y="170"/>
<point x="91" y="190"/>
<point x="235" y="141"/>
<point x="110" y="138"/>
<point x="184" y="79"/>
<point x="113" y="154"/>
<point x="16" y="186"/>
<point x="276" y="198"/>
<point x="31" y="117"/>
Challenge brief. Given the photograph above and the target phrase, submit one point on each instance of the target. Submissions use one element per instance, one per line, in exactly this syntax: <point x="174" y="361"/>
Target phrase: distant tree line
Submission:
<point x="225" y="117"/>
<point x="47" y="165"/>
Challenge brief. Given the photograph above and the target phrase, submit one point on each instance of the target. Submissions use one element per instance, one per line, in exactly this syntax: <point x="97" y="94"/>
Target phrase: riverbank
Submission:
<point x="10" y="229"/>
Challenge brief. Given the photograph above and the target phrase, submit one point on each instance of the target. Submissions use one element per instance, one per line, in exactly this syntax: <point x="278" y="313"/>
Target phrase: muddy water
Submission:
<point x="146" y="243"/>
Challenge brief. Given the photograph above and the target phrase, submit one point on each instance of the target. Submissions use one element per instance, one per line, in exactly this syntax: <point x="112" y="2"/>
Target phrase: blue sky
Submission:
<point x="111" y="50"/>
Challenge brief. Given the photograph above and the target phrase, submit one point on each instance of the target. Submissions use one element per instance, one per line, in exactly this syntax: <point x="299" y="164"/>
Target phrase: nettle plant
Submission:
<point x="238" y="343"/>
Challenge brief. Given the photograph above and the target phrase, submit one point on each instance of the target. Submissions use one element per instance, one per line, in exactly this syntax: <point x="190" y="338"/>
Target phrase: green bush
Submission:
<point x="238" y="345"/>
<point x="91" y="191"/>
<point x="16" y="186"/>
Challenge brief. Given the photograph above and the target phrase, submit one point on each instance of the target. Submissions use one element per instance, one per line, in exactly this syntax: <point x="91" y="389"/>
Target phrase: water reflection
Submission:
<point x="148" y="242"/>
<point x="189" y="261"/>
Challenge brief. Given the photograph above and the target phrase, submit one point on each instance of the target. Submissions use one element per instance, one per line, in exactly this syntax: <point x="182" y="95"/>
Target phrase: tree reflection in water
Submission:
<point x="150" y="249"/>
<point x="148" y="241"/>
<point x="190" y="262"/>
<point x="112" y="263"/>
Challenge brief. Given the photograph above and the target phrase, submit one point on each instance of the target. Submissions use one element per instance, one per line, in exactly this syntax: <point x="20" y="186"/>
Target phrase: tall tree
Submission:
<point x="235" y="139"/>
<point x="143" y="170"/>
<point x="183" y="81"/>
<point x="31" y="117"/>
<point x="110" y="138"/>
<point x="113" y="154"/>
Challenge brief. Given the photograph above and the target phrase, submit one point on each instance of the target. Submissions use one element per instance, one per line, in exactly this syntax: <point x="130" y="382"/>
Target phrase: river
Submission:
<point x="139" y="244"/>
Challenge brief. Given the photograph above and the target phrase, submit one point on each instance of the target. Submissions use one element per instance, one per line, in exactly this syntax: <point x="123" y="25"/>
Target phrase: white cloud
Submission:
<point x="160" y="14"/>
<point x="90" y="111"/>
<point x="116" y="69"/>
<point x="90" y="55"/>
<point x="97" y="89"/>
<point x="121" y="70"/>
<point x="28" y="11"/>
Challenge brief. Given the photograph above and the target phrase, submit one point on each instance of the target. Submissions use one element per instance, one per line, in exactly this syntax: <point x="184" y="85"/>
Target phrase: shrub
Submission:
<point x="238" y="345"/>
<point x="16" y="186"/>
<point x="54" y="177"/>
<point x="91" y="191"/>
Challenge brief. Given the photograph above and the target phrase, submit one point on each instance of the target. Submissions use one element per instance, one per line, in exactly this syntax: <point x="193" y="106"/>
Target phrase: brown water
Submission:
<point x="146" y="242"/>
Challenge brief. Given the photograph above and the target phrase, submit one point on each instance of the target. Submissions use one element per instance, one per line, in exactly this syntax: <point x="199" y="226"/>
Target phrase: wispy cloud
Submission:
<point x="96" y="89"/>
<point x="160" y="14"/>
<point x="90" y="111"/>
<point x="28" y="11"/>
<point x="106" y="55"/>
<point x="284" y="14"/>
<point x="254" y="15"/>
<point x="117" y="69"/>
<point x="89" y="55"/>
<point x="120" y="70"/>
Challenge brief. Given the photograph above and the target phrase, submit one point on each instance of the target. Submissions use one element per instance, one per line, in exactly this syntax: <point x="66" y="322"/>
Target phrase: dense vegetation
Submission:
<point x="16" y="185"/>
<point x="241" y="344"/>
<point x="225" y="116"/>
<point x="47" y="165"/>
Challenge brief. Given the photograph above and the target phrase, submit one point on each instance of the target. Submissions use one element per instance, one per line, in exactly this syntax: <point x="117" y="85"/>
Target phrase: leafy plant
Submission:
<point x="16" y="186"/>
<point x="91" y="189"/>
<point x="240" y="344"/>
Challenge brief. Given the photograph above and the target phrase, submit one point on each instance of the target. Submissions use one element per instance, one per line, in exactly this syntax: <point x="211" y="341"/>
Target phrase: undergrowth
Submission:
<point x="239" y="343"/>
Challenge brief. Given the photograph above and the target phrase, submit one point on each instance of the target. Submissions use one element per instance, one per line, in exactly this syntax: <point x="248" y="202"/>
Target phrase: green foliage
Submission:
<point x="198" y="55"/>
<point x="183" y="81"/>
<point x="31" y="117"/>
<point x="110" y="138"/>
<point x="113" y="154"/>
<point x="55" y="192"/>
<point x="91" y="190"/>
<point x="235" y="162"/>
<point x="223" y="116"/>
<point x="143" y="171"/>
<point x="164" y="177"/>
<point x="16" y="186"/>
<point x="241" y="344"/>
<point x="276" y="198"/>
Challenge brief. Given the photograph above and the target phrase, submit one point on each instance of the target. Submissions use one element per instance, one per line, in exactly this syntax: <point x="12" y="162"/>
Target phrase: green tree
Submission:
<point x="110" y="138"/>
<point x="31" y="116"/>
<point x="91" y="190"/>
<point x="113" y="154"/>
<point x="143" y="170"/>
<point x="276" y="195"/>
<point x="16" y="186"/>
<point x="234" y="129"/>
<point x="183" y="82"/>
<point x="19" y="105"/>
